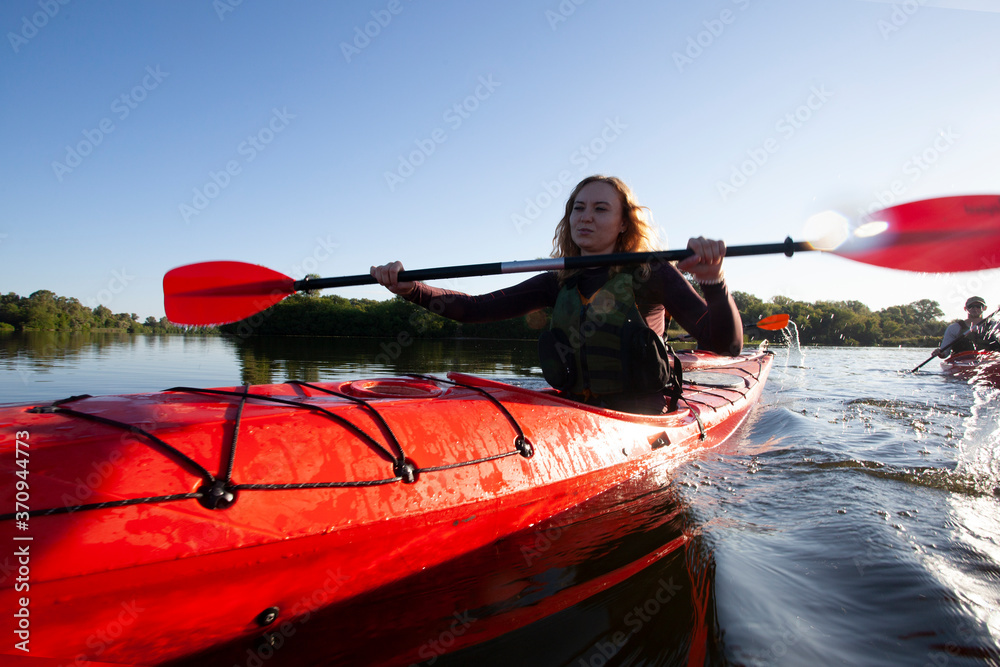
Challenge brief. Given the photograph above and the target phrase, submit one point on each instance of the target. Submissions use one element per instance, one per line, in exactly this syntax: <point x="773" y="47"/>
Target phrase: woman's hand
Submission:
<point x="387" y="276"/>
<point x="705" y="265"/>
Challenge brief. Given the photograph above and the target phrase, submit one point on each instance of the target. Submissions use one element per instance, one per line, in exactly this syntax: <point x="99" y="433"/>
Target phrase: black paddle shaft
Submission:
<point x="788" y="248"/>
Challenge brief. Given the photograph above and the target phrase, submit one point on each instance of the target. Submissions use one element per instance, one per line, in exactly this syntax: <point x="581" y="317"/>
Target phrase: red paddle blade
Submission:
<point x="773" y="322"/>
<point x="221" y="292"/>
<point x="943" y="235"/>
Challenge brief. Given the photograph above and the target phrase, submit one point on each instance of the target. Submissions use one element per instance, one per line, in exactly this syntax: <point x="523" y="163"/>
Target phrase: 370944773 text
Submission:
<point x="22" y="551"/>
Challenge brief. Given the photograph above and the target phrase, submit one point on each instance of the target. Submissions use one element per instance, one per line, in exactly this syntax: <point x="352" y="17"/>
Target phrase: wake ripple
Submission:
<point x="953" y="481"/>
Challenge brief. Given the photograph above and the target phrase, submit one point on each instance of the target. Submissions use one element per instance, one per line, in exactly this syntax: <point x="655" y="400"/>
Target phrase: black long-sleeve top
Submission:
<point x="714" y="321"/>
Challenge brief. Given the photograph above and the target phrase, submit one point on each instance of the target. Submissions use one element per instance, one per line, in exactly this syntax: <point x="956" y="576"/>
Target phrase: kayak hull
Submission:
<point x="978" y="367"/>
<point x="334" y="526"/>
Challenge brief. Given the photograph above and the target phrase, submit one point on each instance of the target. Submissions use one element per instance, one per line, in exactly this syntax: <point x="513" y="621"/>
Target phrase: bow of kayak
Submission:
<point x="212" y="523"/>
<point x="975" y="367"/>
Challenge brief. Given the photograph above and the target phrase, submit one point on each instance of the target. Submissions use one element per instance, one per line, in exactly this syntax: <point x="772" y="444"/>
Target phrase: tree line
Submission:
<point x="306" y="314"/>
<point x="44" y="311"/>
<point x="852" y="323"/>
<point x="846" y="323"/>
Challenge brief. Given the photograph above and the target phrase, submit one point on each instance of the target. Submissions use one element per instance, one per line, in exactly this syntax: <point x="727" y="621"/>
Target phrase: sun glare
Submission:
<point x="826" y="231"/>
<point x="873" y="228"/>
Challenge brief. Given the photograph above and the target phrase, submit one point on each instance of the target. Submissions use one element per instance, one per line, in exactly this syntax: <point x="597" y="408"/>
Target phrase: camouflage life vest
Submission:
<point x="602" y="345"/>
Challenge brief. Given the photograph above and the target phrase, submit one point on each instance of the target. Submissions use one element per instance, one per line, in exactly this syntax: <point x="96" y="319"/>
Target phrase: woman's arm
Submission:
<point x="714" y="320"/>
<point x="537" y="292"/>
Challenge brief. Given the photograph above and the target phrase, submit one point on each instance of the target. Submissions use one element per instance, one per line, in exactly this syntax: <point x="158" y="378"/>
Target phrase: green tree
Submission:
<point x="12" y="310"/>
<point x="41" y="311"/>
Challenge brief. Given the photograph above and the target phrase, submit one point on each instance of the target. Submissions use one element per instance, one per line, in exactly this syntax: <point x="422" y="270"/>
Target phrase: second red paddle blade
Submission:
<point x="943" y="235"/>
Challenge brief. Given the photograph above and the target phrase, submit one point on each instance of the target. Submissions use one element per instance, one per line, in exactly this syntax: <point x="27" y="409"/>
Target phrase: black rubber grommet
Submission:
<point x="524" y="447"/>
<point x="407" y="470"/>
<point x="219" y="495"/>
<point x="267" y="617"/>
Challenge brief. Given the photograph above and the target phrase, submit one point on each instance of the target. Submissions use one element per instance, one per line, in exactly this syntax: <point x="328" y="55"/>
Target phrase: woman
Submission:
<point x="601" y="347"/>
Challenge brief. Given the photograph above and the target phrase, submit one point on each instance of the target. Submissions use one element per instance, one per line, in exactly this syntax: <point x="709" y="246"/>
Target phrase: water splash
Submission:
<point x="791" y="336"/>
<point x="980" y="448"/>
<point x="973" y="517"/>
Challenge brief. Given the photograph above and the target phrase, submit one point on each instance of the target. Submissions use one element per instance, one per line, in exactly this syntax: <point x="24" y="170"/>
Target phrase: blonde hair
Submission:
<point x="639" y="234"/>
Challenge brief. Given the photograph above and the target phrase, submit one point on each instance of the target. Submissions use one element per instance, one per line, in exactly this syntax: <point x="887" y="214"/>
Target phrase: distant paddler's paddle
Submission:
<point x="772" y="322"/>
<point x="942" y="235"/>
<point x="962" y="337"/>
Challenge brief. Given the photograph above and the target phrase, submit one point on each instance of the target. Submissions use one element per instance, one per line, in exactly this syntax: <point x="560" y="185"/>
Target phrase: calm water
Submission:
<point x="854" y="519"/>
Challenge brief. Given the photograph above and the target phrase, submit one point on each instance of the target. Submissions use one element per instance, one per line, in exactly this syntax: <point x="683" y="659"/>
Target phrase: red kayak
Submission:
<point x="381" y="521"/>
<point x="976" y="367"/>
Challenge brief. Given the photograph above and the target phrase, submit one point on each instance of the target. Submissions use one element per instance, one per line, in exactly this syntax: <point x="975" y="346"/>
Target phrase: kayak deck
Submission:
<point x="982" y="367"/>
<point x="191" y="513"/>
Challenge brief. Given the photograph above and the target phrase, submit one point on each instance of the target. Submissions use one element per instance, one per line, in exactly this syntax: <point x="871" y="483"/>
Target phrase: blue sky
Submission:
<point x="322" y="137"/>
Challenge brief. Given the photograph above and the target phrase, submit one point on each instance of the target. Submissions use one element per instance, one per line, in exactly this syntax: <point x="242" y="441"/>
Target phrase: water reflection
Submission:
<point x="39" y="365"/>
<point x="662" y="614"/>
<point x="49" y="365"/>
<point x="42" y="348"/>
<point x="49" y="347"/>
<point x="276" y="359"/>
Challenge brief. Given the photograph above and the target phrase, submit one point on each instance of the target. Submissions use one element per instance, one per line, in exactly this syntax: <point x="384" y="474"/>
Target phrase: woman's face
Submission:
<point x="596" y="219"/>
